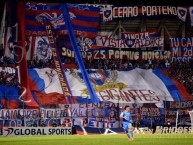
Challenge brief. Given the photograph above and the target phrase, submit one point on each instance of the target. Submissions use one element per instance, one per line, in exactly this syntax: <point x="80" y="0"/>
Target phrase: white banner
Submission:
<point x="14" y="114"/>
<point x="139" y="85"/>
<point x="9" y="70"/>
<point x="33" y="131"/>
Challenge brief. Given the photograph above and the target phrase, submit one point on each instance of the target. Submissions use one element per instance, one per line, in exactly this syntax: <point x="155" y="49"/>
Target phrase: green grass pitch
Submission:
<point x="140" y="139"/>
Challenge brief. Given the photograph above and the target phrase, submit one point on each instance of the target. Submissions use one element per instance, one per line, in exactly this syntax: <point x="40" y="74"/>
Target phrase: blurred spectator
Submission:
<point x="118" y="64"/>
<point x="7" y="62"/>
<point x="182" y="71"/>
<point x="100" y="2"/>
<point x="41" y="64"/>
<point x="7" y="79"/>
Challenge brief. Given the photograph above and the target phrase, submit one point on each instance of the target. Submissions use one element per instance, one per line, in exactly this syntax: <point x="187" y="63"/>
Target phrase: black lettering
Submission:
<point x="50" y="131"/>
<point x="62" y="132"/>
<point x="33" y="132"/>
<point x="16" y="132"/>
<point x="58" y="131"/>
<point x="21" y="132"/>
<point x="38" y="132"/>
<point x="43" y="132"/>
<point x="27" y="132"/>
<point x="53" y="131"/>
<point x="69" y="131"/>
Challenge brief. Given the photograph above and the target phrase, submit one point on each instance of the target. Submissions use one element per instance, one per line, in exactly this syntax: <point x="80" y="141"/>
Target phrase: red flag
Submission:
<point x="27" y="97"/>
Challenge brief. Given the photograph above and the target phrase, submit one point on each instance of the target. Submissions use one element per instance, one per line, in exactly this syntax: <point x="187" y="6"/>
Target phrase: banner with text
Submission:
<point x="24" y="131"/>
<point x="150" y="112"/>
<point x="181" y="48"/>
<point x="105" y="41"/>
<point x="110" y="13"/>
<point x="174" y="108"/>
<point x="106" y="53"/>
<point x="123" y="86"/>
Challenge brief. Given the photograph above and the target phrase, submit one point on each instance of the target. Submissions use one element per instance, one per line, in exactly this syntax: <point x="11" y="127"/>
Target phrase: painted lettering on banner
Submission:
<point x="104" y="41"/>
<point x="118" y="54"/>
<point x="59" y="67"/>
<point x="181" y="48"/>
<point x="110" y="13"/>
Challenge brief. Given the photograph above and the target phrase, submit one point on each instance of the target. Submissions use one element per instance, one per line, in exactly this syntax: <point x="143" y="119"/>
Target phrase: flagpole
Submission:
<point x="177" y="118"/>
<point x="3" y="26"/>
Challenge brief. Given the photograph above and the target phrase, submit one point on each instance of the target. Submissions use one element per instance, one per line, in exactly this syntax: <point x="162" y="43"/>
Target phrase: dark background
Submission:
<point x="118" y="2"/>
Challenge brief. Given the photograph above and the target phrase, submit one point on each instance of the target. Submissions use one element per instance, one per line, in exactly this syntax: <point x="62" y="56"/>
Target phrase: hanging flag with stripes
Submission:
<point x="85" y="19"/>
<point x="182" y="12"/>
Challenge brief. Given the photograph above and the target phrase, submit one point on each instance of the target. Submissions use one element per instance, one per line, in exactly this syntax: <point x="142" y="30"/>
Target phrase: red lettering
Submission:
<point x="110" y="94"/>
<point x="104" y="97"/>
<point x="104" y="40"/>
<point x="152" y="93"/>
<point x="135" y="95"/>
<point x="144" y="95"/>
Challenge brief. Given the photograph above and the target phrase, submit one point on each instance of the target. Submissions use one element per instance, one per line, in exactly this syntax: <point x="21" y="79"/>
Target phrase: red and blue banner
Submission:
<point x="116" y="86"/>
<point x="9" y="92"/>
<point x="140" y="35"/>
<point x="85" y="19"/>
<point x="182" y="108"/>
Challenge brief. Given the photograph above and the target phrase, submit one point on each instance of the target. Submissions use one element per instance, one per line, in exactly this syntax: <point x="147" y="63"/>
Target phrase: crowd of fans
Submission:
<point x="40" y="63"/>
<point x="119" y="64"/>
<point x="100" y="2"/>
<point x="183" y="73"/>
<point x="6" y="62"/>
<point x="8" y="79"/>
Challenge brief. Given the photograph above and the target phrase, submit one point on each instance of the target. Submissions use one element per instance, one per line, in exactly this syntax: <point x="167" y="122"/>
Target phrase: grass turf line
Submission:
<point x="140" y="139"/>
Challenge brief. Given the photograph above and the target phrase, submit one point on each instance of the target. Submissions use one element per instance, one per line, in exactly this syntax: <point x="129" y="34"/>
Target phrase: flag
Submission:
<point x="85" y="19"/>
<point x="46" y="88"/>
<point x="22" y="61"/>
<point x="9" y="97"/>
<point x="14" y="52"/>
<point x="138" y="85"/>
<point x="79" y="60"/>
<point x="107" y="14"/>
<point x="191" y="15"/>
<point x="10" y="31"/>
<point x="182" y="12"/>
